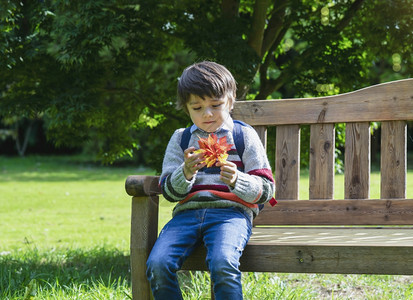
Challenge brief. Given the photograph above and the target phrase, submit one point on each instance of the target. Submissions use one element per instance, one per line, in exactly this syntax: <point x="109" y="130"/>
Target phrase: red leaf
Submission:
<point x="214" y="149"/>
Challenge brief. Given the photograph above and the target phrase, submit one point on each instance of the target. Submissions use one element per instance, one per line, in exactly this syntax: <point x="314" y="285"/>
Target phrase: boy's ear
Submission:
<point x="231" y="103"/>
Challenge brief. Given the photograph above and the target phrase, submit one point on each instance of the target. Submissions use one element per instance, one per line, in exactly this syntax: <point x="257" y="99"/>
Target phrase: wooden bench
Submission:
<point x="321" y="235"/>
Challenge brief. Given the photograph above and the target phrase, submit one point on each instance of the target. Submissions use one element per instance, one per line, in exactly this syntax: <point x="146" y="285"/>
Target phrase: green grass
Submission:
<point x="339" y="185"/>
<point x="64" y="227"/>
<point x="64" y="274"/>
<point x="63" y="202"/>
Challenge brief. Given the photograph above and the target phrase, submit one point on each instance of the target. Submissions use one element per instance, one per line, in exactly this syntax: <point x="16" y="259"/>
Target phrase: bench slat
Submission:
<point x="338" y="212"/>
<point x="322" y="145"/>
<point x="334" y="236"/>
<point x="262" y="133"/>
<point x="287" y="162"/>
<point x="393" y="159"/>
<point x="383" y="102"/>
<point x="324" y="250"/>
<point x="357" y="161"/>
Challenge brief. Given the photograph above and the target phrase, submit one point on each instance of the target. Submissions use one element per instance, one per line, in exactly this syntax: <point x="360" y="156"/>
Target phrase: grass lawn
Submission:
<point x="64" y="227"/>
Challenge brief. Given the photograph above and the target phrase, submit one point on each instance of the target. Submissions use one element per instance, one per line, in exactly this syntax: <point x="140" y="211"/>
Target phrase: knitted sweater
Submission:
<point x="254" y="185"/>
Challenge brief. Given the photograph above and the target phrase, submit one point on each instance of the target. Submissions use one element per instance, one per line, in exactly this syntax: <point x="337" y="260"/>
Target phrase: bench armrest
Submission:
<point x="144" y="228"/>
<point x="142" y="185"/>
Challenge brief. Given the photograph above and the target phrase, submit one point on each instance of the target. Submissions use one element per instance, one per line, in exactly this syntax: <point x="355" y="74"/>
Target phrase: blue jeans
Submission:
<point x="224" y="232"/>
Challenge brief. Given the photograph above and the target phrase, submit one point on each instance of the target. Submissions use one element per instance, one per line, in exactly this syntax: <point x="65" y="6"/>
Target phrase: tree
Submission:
<point x="300" y="47"/>
<point x="108" y="69"/>
<point x="98" y="69"/>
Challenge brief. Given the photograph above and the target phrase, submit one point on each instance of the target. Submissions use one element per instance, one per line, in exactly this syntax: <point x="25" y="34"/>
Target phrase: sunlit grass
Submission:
<point x="63" y="202"/>
<point x="96" y="273"/>
<point x="269" y="286"/>
<point x="339" y="185"/>
<point x="65" y="225"/>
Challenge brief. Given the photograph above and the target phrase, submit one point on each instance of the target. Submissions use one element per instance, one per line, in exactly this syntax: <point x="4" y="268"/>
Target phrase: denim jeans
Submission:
<point x="224" y="232"/>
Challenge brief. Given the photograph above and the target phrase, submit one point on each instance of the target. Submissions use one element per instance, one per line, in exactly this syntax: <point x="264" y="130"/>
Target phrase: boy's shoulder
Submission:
<point x="176" y="136"/>
<point x="178" y="133"/>
<point x="241" y="123"/>
<point x="240" y="127"/>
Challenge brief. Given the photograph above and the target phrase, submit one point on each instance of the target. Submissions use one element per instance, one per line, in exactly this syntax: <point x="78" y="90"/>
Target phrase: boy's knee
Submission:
<point x="156" y="264"/>
<point x="160" y="265"/>
<point x="223" y="266"/>
<point x="157" y="270"/>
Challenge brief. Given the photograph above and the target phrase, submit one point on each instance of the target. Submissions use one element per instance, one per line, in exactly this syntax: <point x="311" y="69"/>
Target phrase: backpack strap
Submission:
<point x="238" y="135"/>
<point x="186" y="136"/>
<point x="239" y="143"/>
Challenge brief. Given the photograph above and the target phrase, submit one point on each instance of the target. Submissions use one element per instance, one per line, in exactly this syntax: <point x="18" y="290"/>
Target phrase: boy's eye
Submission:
<point x="196" y="108"/>
<point x="217" y="105"/>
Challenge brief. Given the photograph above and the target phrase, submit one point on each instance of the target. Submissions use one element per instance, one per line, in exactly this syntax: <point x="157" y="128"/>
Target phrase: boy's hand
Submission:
<point x="193" y="162"/>
<point x="229" y="173"/>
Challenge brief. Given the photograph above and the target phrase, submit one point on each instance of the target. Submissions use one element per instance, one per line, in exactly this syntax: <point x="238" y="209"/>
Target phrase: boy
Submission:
<point x="216" y="205"/>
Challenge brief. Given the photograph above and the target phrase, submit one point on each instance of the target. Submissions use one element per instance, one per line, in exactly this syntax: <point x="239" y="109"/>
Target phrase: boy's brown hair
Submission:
<point x="205" y="79"/>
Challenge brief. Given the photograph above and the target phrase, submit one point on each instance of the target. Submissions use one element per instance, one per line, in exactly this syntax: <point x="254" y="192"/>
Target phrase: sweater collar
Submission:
<point x="228" y="125"/>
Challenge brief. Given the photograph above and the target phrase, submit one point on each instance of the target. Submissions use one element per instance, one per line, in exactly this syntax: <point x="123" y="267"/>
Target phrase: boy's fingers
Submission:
<point x="226" y="164"/>
<point x="228" y="169"/>
<point x="189" y="150"/>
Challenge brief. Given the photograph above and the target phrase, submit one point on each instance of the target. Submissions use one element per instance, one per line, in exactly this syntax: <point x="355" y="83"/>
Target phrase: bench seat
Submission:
<point x="335" y="250"/>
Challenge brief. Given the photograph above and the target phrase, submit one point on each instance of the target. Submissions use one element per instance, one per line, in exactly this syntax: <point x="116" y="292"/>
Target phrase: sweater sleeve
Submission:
<point x="256" y="183"/>
<point x="174" y="185"/>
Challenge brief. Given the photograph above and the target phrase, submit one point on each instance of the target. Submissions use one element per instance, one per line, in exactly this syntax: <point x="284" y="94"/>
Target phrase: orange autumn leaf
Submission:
<point x="214" y="149"/>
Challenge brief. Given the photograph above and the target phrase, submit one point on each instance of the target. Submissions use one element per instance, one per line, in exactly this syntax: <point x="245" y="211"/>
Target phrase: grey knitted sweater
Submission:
<point x="254" y="185"/>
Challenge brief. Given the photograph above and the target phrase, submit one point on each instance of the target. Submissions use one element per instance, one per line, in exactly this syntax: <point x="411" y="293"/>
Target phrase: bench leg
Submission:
<point x="144" y="231"/>
<point x="212" y="291"/>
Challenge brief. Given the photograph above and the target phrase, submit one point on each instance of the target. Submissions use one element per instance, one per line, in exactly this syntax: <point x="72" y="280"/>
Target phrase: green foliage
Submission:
<point x="94" y="74"/>
<point x="104" y="73"/>
<point x="213" y="35"/>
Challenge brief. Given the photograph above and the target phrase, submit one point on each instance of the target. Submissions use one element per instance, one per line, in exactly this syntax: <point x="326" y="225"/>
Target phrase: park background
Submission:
<point x="87" y="92"/>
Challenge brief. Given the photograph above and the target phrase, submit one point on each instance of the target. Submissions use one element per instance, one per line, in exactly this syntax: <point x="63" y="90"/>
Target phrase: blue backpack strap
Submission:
<point x="239" y="136"/>
<point x="239" y="142"/>
<point x="186" y="136"/>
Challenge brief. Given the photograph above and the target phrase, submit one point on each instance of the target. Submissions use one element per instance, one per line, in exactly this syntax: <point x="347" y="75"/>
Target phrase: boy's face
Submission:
<point x="208" y="114"/>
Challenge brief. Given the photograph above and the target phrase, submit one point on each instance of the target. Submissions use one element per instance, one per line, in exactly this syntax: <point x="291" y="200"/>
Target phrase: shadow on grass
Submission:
<point x="62" y="268"/>
<point x="62" y="168"/>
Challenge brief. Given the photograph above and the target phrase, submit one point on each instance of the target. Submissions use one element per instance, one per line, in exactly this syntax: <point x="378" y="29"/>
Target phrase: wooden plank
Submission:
<point x="328" y="259"/>
<point x="142" y="185"/>
<point x="338" y="212"/>
<point x="383" y="102"/>
<point x="333" y="236"/>
<point x="310" y="252"/>
<point x="393" y="159"/>
<point x="287" y="162"/>
<point x="262" y="133"/>
<point x="322" y="141"/>
<point x="357" y="161"/>
<point x="144" y="231"/>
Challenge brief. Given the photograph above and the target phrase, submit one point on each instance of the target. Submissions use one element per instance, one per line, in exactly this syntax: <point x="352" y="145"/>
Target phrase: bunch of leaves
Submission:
<point x="214" y="149"/>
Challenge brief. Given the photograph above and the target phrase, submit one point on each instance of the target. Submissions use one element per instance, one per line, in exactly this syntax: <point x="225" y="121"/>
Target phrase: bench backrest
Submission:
<point x="389" y="103"/>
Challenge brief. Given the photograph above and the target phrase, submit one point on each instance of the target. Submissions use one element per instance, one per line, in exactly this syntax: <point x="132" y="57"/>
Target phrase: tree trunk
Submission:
<point x="269" y="85"/>
<point x="21" y="149"/>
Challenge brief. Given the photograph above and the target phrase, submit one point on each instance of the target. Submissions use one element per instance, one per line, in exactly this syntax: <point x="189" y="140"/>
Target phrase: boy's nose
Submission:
<point x="208" y="112"/>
